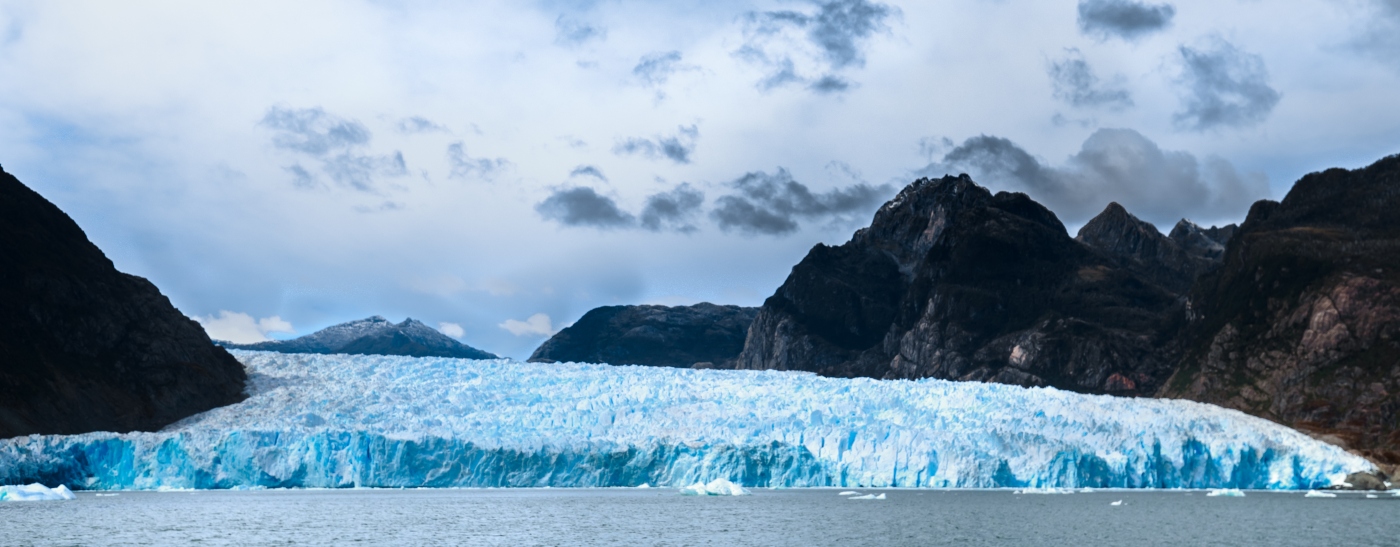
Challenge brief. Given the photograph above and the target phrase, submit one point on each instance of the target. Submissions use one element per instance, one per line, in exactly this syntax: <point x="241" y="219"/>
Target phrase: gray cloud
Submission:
<point x="832" y="40"/>
<point x="1379" y="37"/>
<point x="672" y="210"/>
<point x="1112" y="165"/>
<point x="583" y="206"/>
<point x="1124" y="19"/>
<point x="1223" y="86"/>
<point x="571" y="32"/>
<point x="335" y="142"/>
<point x="1074" y="82"/>
<point x="772" y="204"/>
<point x="588" y="171"/>
<point x="313" y="131"/>
<point x="677" y="148"/>
<point x="358" y="171"/>
<point x="465" y="166"/>
<point x="419" y="124"/>
<point x="655" y="68"/>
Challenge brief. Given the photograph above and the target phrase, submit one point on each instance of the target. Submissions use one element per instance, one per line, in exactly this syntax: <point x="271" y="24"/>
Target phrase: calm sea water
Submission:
<point x="663" y="517"/>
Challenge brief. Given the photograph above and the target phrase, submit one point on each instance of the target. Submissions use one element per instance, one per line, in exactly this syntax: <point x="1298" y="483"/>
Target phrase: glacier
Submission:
<point x="341" y="421"/>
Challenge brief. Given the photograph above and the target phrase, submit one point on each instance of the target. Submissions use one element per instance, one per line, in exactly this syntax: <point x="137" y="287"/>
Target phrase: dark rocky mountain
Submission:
<point x="1301" y="323"/>
<point x="1174" y="262"/>
<point x="373" y="336"/>
<point x="704" y="335"/>
<point x="952" y="281"/>
<point x="85" y="347"/>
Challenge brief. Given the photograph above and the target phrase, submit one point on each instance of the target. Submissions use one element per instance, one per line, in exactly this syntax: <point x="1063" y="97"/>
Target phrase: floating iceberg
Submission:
<point x="338" y="421"/>
<point x="868" y="497"/>
<point x="849" y="493"/>
<point x="35" y="492"/>
<point x="1316" y="494"/>
<point x="716" y="487"/>
<point x="1225" y="493"/>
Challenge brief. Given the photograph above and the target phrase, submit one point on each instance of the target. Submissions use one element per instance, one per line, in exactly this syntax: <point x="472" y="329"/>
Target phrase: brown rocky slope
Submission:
<point x="1301" y="324"/>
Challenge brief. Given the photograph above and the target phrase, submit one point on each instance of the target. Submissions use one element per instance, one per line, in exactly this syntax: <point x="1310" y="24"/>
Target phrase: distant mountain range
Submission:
<point x="373" y="336"/>
<point x="703" y="335"/>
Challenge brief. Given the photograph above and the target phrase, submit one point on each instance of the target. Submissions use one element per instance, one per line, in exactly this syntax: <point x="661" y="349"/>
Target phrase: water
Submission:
<point x="663" y="517"/>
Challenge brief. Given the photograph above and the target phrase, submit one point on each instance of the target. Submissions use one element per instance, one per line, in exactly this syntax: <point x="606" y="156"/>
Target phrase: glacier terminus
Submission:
<point x="342" y="421"/>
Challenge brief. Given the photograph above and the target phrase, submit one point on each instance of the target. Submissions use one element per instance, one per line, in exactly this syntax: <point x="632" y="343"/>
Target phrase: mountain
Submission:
<point x="88" y="348"/>
<point x="951" y="281"/>
<point x="1173" y="262"/>
<point x="705" y="334"/>
<point x="373" y="336"/>
<point x="1301" y="323"/>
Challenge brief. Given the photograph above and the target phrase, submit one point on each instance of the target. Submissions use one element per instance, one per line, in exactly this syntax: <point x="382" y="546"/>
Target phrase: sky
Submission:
<point x="496" y="169"/>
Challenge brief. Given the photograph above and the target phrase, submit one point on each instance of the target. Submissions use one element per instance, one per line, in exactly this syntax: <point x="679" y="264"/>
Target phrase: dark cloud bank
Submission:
<point x="758" y="204"/>
<point x="335" y="143"/>
<point x="837" y="30"/>
<point x="1123" y="19"/>
<point x="1223" y="87"/>
<point x="1119" y="165"/>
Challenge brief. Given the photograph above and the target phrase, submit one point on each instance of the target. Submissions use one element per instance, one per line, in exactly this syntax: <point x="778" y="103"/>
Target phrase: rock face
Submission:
<point x="85" y="347"/>
<point x="1301" y="323"/>
<point x="951" y="281"/>
<point x="374" y="336"/>
<point x="705" y="334"/>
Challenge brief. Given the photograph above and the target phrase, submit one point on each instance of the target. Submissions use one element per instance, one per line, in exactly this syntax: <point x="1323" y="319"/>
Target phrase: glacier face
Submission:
<point x="383" y="421"/>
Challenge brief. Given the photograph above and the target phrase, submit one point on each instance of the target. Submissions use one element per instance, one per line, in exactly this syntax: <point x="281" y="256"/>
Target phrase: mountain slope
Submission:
<point x="374" y="336"/>
<point x="85" y="347"/>
<point x="1301" y="323"/>
<point x="671" y="336"/>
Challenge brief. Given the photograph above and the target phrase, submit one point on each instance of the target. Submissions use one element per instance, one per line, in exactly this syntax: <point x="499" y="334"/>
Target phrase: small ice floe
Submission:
<point x="1046" y="490"/>
<point x="1316" y="494"/>
<point x="717" y="487"/>
<point x="867" y="497"/>
<point x="1370" y="496"/>
<point x="849" y="493"/>
<point x="1117" y="503"/>
<point x="1225" y="493"/>
<point x="107" y="495"/>
<point x="35" y="492"/>
<point x="644" y="485"/>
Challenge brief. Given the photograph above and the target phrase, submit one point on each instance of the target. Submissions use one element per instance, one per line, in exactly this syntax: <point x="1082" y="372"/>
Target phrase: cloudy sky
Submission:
<point x="496" y="169"/>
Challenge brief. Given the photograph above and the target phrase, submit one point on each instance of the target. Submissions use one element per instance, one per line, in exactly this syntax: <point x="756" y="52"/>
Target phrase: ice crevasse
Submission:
<point x="341" y="421"/>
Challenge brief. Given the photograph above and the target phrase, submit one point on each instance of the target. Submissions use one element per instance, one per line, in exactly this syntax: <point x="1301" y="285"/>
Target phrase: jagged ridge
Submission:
<point x="373" y="336"/>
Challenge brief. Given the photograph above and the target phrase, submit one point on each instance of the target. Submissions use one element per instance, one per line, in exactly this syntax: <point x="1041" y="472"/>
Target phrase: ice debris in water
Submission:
<point x="339" y="421"/>
<point x="1047" y="490"/>
<point x="1316" y="494"/>
<point x="1116" y="503"/>
<point x="35" y="492"/>
<point x="717" y="487"/>
<point x="849" y="493"/>
<point x="868" y="497"/>
<point x="1225" y="493"/>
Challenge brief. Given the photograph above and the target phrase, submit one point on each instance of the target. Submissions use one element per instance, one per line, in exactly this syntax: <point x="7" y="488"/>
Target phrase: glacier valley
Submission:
<point x="338" y="421"/>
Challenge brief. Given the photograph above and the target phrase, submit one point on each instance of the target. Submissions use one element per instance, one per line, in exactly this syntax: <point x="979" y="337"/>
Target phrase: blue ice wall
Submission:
<point x="376" y="421"/>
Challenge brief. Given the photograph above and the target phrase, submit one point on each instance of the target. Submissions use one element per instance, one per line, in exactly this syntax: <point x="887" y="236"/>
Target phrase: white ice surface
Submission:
<point x="717" y="487"/>
<point x="1225" y="493"/>
<point x="35" y="492"/>
<point x="382" y="421"/>
<point x="1316" y="494"/>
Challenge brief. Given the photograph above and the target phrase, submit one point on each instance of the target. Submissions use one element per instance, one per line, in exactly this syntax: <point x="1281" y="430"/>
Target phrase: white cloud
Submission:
<point x="452" y="329"/>
<point x="241" y="328"/>
<point x="537" y="325"/>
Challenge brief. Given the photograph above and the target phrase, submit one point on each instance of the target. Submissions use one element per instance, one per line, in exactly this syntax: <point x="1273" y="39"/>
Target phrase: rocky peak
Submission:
<point x="703" y="335"/>
<point x="1140" y="247"/>
<point x="1202" y="242"/>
